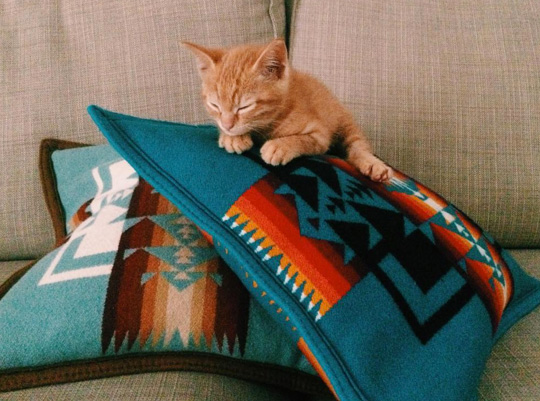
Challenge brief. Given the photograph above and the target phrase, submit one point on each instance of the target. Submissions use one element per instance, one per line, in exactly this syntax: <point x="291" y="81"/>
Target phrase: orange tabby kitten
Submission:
<point x="253" y="89"/>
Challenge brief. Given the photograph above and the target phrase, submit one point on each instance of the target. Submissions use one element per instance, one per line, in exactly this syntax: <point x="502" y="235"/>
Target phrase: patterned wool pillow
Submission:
<point x="132" y="287"/>
<point x="391" y="292"/>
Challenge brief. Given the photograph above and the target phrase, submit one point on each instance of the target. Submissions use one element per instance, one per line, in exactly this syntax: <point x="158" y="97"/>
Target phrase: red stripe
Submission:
<point x="278" y="217"/>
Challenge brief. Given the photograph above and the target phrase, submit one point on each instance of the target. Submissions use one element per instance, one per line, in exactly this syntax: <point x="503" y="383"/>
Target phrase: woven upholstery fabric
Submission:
<point x="166" y="386"/>
<point x="449" y="91"/>
<point x="8" y="268"/>
<point x="513" y="370"/>
<point x="57" y="57"/>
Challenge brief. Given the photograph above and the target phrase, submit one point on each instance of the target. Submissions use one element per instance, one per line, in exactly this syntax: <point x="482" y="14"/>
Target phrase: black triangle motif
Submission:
<point x="314" y="222"/>
<point x="357" y="189"/>
<point x="306" y="188"/>
<point x="325" y="171"/>
<point x="354" y="235"/>
<point x="388" y="223"/>
<point x="339" y="203"/>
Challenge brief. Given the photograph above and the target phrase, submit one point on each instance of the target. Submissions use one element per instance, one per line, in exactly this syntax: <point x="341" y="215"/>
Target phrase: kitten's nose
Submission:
<point x="227" y="121"/>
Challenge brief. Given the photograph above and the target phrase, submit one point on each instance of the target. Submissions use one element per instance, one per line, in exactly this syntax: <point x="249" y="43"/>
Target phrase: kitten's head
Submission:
<point x="243" y="87"/>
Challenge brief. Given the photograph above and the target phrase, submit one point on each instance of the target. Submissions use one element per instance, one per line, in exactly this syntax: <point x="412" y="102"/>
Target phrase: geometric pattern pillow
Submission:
<point x="391" y="292"/>
<point x="133" y="286"/>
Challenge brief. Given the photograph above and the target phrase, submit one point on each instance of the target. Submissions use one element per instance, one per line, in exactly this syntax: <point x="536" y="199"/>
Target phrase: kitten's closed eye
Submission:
<point x="215" y="106"/>
<point x="240" y="109"/>
<point x="245" y="107"/>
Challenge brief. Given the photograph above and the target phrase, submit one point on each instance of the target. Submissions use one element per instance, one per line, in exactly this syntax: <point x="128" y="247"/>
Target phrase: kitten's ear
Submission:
<point x="207" y="58"/>
<point x="273" y="63"/>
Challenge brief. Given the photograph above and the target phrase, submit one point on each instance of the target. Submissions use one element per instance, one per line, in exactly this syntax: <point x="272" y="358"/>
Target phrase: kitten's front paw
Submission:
<point x="375" y="169"/>
<point x="274" y="153"/>
<point x="235" y="144"/>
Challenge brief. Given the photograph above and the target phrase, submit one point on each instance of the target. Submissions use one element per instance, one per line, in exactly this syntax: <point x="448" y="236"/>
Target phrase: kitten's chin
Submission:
<point x="232" y="132"/>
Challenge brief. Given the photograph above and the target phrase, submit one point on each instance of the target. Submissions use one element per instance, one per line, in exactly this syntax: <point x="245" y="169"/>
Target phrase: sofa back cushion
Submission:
<point x="448" y="91"/>
<point x="57" y="57"/>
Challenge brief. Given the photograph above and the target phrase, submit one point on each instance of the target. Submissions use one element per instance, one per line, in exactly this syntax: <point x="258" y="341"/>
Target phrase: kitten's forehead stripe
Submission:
<point x="236" y="83"/>
<point x="233" y="78"/>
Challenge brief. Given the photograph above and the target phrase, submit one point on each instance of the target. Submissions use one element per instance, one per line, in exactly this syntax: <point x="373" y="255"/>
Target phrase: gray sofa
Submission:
<point x="448" y="91"/>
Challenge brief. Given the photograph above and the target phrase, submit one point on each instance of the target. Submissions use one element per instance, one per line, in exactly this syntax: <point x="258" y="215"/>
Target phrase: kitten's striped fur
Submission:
<point x="252" y="89"/>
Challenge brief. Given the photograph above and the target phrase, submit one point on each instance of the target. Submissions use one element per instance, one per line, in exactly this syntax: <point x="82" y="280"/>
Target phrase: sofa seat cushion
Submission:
<point x="447" y="90"/>
<point x="513" y="370"/>
<point x="166" y="386"/>
<point x="8" y="268"/>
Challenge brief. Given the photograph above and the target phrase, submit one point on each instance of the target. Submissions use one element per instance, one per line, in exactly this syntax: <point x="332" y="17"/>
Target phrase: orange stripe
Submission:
<point x="454" y="245"/>
<point x="207" y="236"/>
<point x="197" y="309"/>
<point x="160" y="313"/>
<point x="480" y="274"/>
<point x="415" y="208"/>
<point x="149" y="299"/>
<point x="509" y="285"/>
<point x="293" y="270"/>
<point x="299" y="253"/>
<point x="209" y="300"/>
<point x="429" y="193"/>
<point x="266" y="210"/>
<point x="157" y="235"/>
<point x="303" y="347"/>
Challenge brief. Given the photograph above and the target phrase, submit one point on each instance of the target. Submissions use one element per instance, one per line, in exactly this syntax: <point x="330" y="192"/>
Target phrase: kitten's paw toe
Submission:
<point x="376" y="170"/>
<point x="380" y="172"/>
<point x="242" y="143"/>
<point x="270" y="153"/>
<point x="235" y="144"/>
<point x="223" y="142"/>
<point x="274" y="154"/>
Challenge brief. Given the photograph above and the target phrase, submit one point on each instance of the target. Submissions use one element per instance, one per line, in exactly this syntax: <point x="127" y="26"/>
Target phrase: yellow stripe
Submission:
<point x="276" y="251"/>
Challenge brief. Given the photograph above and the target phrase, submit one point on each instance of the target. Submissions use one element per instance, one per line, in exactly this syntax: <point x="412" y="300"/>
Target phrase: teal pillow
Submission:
<point x="390" y="291"/>
<point x="132" y="287"/>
